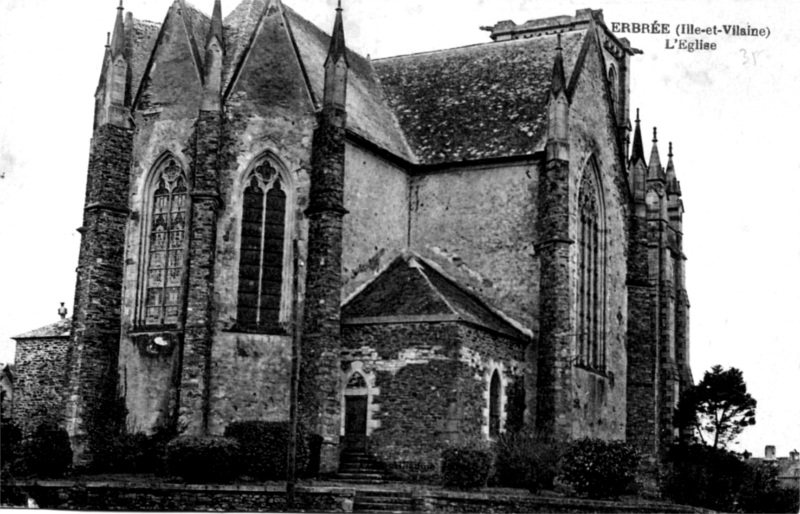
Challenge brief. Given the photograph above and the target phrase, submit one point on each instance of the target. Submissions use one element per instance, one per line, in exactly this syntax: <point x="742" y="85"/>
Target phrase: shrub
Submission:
<point x="47" y="453"/>
<point x="466" y="467"/>
<point x="264" y="447"/>
<point x="703" y="476"/>
<point x="203" y="458"/>
<point x="10" y="440"/>
<point x="600" y="469"/>
<point x="524" y="460"/>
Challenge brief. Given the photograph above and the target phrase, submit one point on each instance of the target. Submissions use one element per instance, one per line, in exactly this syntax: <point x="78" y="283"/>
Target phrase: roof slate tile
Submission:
<point x="476" y="102"/>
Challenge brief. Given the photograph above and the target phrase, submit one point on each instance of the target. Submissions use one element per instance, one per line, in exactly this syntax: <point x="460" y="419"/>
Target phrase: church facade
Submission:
<point x="448" y="245"/>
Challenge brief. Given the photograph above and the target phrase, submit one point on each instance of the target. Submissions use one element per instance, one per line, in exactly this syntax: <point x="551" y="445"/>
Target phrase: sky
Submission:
<point x="731" y="113"/>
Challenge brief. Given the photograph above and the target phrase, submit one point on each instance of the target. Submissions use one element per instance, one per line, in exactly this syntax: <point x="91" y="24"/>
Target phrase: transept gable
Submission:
<point x="590" y="78"/>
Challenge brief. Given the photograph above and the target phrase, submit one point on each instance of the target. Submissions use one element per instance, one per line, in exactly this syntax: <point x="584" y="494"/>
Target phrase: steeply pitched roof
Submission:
<point x="61" y="328"/>
<point x="238" y="28"/>
<point x="411" y="287"/>
<point x="197" y="26"/>
<point x="145" y="34"/>
<point x="475" y="102"/>
<point x="368" y="113"/>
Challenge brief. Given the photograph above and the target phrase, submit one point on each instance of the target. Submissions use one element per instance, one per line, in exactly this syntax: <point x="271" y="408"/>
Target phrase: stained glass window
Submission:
<point x="165" y="259"/>
<point x="262" y="249"/>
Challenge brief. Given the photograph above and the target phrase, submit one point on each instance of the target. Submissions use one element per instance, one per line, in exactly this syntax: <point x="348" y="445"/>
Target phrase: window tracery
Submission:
<point x="166" y="248"/>
<point x="591" y="273"/>
<point x="261" y="261"/>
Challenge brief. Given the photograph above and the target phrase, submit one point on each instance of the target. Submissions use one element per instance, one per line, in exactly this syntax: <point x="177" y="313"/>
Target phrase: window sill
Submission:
<point x="596" y="371"/>
<point x="152" y="329"/>
<point x="273" y="329"/>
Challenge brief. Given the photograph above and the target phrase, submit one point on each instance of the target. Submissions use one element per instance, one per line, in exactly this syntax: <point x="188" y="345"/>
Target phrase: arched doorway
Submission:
<point x="356" y="407"/>
<point x="494" y="405"/>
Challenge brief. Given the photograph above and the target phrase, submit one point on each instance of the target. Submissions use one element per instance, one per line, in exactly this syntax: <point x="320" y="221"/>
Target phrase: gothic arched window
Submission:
<point x="261" y="261"/>
<point x="166" y="245"/>
<point x="494" y="405"/>
<point x="591" y="274"/>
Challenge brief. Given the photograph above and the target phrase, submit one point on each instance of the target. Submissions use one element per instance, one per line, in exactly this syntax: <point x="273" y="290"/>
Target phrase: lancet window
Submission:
<point x="262" y="251"/>
<point x="166" y="245"/>
<point x="591" y="275"/>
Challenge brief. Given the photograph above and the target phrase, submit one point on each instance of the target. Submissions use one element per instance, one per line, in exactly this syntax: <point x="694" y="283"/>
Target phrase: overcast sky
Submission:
<point x="731" y="114"/>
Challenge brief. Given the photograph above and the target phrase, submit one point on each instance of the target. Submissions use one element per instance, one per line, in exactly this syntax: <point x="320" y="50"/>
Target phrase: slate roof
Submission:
<point x="61" y="328"/>
<point x="411" y="287"/>
<point x="197" y="26"/>
<point x="368" y="112"/>
<point x="476" y="102"/>
<point x="145" y="34"/>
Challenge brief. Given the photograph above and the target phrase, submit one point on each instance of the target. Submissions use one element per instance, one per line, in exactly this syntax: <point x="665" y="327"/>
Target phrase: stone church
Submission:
<point x="448" y="245"/>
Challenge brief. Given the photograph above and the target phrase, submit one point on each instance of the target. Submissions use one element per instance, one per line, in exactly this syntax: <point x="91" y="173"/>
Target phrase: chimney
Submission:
<point x="794" y="455"/>
<point x="769" y="452"/>
<point x="62" y="311"/>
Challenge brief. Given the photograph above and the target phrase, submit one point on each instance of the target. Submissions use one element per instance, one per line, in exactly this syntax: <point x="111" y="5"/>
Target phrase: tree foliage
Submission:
<point x="718" y="408"/>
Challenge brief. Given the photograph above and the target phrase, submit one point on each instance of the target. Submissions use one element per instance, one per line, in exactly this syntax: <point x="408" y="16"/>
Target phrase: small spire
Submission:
<point x="108" y="39"/>
<point x="216" y="23"/>
<point x="673" y="186"/>
<point x="118" y="39"/>
<point x="656" y="171"/>
<point x="559" y="82"/>
<point x="637" y="152"/>
<point x="338" y="49"/>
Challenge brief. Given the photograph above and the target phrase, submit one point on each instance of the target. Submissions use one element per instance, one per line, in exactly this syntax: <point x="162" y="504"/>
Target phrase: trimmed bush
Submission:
<point x="265" y="445"/>
<point x="600" y="469"/>
<point x="203" y="458"/>
<point x="47" y="453"/>
<point x="525" y="461"/>
<point x="466" y="467"/>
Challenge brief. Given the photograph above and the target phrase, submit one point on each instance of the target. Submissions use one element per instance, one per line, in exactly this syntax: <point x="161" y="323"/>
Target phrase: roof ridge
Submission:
<point x="412" y="263"/>
<point x="472" y="45"/>
<point x="476" y="296"/>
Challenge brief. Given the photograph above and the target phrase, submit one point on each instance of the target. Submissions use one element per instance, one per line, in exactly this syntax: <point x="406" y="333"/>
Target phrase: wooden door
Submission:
<point x="355" y="421"/>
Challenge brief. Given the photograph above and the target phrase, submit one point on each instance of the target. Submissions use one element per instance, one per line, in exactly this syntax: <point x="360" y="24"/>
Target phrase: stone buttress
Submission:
<point x="92" y="361"/>
<point x="194" y="391"/>
<point x="318" y="395"/>
<point x="556" y="338"/>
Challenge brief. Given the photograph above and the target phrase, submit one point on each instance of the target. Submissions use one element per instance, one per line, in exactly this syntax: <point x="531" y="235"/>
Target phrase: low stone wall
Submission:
<point x="121" y="496"/>
<point x="453" y="501"/>
<point x="143" y="496"/>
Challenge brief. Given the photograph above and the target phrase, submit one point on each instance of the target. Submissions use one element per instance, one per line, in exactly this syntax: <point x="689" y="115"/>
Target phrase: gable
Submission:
<point x="269" y="72"/>
<point x="476" y="102"/>
<point x="413" y="289"/>
<point x="172" y="77"/>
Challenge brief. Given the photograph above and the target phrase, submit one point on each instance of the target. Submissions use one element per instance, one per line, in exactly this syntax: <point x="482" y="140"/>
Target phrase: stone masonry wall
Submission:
<point x="250" y="379"/>
<point x="40" y="381"/>
<point x="479" y="224"/>
<point x="376" y="226"/>
<point x="428" y="384"/>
